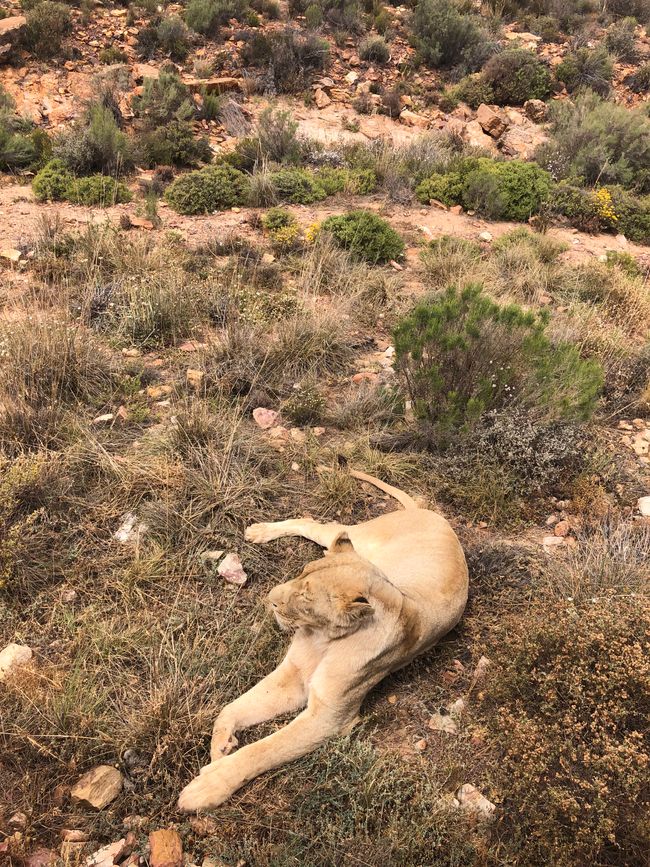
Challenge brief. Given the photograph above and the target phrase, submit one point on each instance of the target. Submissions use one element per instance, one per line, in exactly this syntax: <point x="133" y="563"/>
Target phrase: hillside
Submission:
<point x="239" y="241"/>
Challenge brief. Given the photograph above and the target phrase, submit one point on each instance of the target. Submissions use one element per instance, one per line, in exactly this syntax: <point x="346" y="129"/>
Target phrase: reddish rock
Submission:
<point x="41" y="858"/>
<point x="492" y="120"/>
<point x="97" y="788"/>
<point x="166" y="849"/>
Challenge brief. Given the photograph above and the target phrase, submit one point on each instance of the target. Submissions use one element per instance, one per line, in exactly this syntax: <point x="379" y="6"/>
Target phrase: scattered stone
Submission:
<point x="492" y="120"/>
<point x="155" y="392"/>
<point x="321" y="99"/>
<point x="10" y="254"/>
<point x="18" y="820"/>
<point x="522" y="141"/>
<point x="562" y="528"/>
<point x="265" y="418"/>
<point x="475" y="137"/>
<point x="474" y="803"/>
<point x="443" y="722"/>
<point x="131" y="353"/>
<point x="643" y="504"/>
<point x="211" y="557"/>
<point x="13" y="657"/>
<point x="204" y="826"/>
<point x="41" y="857"/>
<point x="194" y="377"/>
<point x="107" y="855"/>
<point x="392" y="699"/>
<point x="395" y="265"/>
<point x="410" y="118"/>
<point x="141" y="223"/>
<point x="481" y="669"/>
<point x="103" y="419"/>
<point x="74" y="835"/>
<point x="536" y="110"/>
<point x="68" y="595"/>
<point x="231" y="569"/>
<point x="97" y="788"/>
<point x="485" y="236"/>
<point x="130" y="529"/>
<point x="192" y="346"/>
<point x="456" y="209"/>
<point x="552" y="541"/>
<point x="10" y="30"/>
<point x="352" y="77"/>
<point x="166" y="849"/>
<point x="421" y="745"/>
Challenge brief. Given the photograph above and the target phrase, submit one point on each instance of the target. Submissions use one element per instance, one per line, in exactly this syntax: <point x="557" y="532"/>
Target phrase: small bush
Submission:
<point x="288" y="56"/>
<point x="214" y="188"/>
<point x="21" y="145"/>
<point x="365" y="235"/>
<point x="51" y="183"/>
<point x="511" y="190"/>
<point x="516" y="75"/>
<point x="356" y="182"/>
<point x="586" y="68"/>
<point x="639" y="80"/>
<point x="206" y="16"/>
<point x="174" y="144"/>
<point x="99" y="190"/>
<point x="639" y="9"/>
<point x="374" y="49"/>
<point x="112" y="55"/>
<point x="94" y="144"/>
<point x="462" y="355"/>
<point x="163" y="100"/>
<point x="47" y="25"/>
<point x="593" y="141"/>
<point x="276" y="137"/>
<point x="444" y="36"/>
<point x="173" y="37"/>
<point x="313" y="16"/>
<point x="473" y="90"/>
<point x="447" y="189"/>
<point x="297" y="186"/>
<point x="620" y="40"/>
<point x="305" y="406"/>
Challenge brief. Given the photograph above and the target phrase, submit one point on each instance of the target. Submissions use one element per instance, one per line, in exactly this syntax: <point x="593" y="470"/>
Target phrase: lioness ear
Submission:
<point x="341" y="544"/>
<point x="359" y="607"/>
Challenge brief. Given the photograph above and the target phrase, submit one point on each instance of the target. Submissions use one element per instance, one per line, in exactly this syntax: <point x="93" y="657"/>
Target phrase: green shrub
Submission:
<point x="597" y="141"/>
<point x="516" y="75"/>
<point x="163" y="99"/>
<point x="447" y="189"/>
<point x="213" y="188"/>
<point x="206" y="16"/>
<point x="633" y="215"/>
<point x="112" y="55"/>
<point x="639" y="80"/>
<point x="297" y="186"/>
<point x="639" y="9"/>
<point x="472" y="90"/>
<point x="511" y="190"/>
<point x="47" y="25"/>
<point x="288" y="57"/>
<point x="366" y="235"/>
<point x="374" y="49"/>
<point x="277" y="218"/>
<point x="444" y="36"/>
<point x="51" y="183"/>
<point x="97" y="190"/>
<point x="305" y="406"/>
<point x="94" y="143"/>
<point x="356" y="182"/>
<point x="586" y="68"/>
<point x="174" y="145"/>
<point x="313" y="16"/>
<point x="620" y="40"/>
<point x="21" y="145"/>
<point x="462" y="355"/>
<point x="173" y="37"/>
<point x="276" y="137"/>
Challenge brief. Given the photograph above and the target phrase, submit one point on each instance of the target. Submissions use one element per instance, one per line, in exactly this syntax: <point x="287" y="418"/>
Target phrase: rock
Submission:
<point x="396" y="265"/>
<point x="321" y="99"/>
<point x="10" y="253"/>
<point x="352" y="77"/>
<point x="265" y="418"/>
<point x="443" y="723"/>
<point x="492" y="120"/>
<point x="456" y="209"/>
<point x="130" y="530"/>
<point x="643" y="504"/>
<point x="103" y="419"/>
<point x="166" y="849"/>
<point x="41" y="857"/>
<point x="131" y="353"/>
<point x="13" y="657"/>
<point x="640" y="445"/>
<point x="485" y="236"/>
<point x="74" y="835"/>
<point x="192" y="346"/>
<point x="231" y="569"/>
<point x="474" y="803"/>
<point x="141" y="223"/>
<point x="561" y="528"/>
<point x="475" y="137"/>
<point x="10" y="30"/>
<point x="18" y="820"/>
<point x="410" y="118"/>
<point x="194" y="377"/>
<point x="155" y="392"/>
<point x="552" y="541"/>
<point x="107" y="855"/>
<point x="211" y="557"/>
<point x="218" y="84"/>
<point x="145" y="70"/>
<point x="97" y="788"/>
<point x="536" y="110"/>
<point x="421" y="745"/>
<point x="522" y="141"/>
<point x="481" y="669"/>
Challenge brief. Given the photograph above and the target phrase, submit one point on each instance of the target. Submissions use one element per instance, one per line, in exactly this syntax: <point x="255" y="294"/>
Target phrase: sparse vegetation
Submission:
<point x="365" y="235"/>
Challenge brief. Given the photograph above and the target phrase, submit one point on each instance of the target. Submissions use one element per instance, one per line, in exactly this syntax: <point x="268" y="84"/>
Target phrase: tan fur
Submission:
<point x="385" y="591"/>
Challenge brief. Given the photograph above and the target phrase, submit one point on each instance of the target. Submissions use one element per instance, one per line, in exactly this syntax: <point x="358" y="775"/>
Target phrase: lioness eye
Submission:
<point x="361" y="599"/>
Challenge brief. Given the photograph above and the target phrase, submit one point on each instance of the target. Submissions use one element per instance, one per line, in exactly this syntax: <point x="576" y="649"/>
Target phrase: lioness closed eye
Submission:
<point x="385" y="591"/>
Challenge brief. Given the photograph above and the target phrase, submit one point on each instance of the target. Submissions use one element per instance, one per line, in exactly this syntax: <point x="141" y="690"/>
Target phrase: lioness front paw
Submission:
<point x="206" y="791"/>
<point x="223" y="742"/>
<point x="259" y="533"/>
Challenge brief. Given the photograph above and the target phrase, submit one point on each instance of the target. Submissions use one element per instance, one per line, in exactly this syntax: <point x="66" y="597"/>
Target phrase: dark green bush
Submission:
<point x="620" y="40"/>
<point x="51" y="183"/>
<point x="472" y="90"/>
<point x="462" y="356"/>
<point x="366" y="235"/>
<point x="511" y="190"/>
<point x="206" y="16"/>
<point x="447" y="188"/>
<point x="515" y="75"/>
<point x="173" y="37"/>
<point x="297" y="186"/>
<point x="586" y="68"/>
<point x="21" y="144"/>
<point x="445" y="36"/>
<point x="288" y="57"/>
<point x="97" y="190"/>
<point x="374" y="49"/>
<point x="277" y="218"/>
<point x="163" y="99"/>
<point x="597" y="141"/>
<point x="639" y="9"/>
<point x="174" y="145"/>
<point x="47" y="25"/>
<point x="95" y="143"/>
<point x="213" y="188"/>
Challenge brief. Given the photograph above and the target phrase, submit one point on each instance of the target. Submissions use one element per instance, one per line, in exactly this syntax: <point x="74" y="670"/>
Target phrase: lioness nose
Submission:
<point x="275" y="596"/>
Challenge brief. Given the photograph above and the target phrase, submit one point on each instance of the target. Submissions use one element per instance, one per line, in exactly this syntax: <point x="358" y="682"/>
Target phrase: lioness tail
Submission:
<point x="400" y="496"/>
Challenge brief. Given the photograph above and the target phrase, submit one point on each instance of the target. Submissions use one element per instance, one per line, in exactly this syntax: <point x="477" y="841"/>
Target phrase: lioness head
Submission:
<point x="330" y="594"/>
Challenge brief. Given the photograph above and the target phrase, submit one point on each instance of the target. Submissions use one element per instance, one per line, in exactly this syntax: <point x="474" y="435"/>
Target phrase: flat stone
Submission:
<point x="97" y="788"/>
<point x="11" y="27"/>
<point x="473" y="802"/>
<point x="491" y="119"/>
<point x="265" y="418"/>
<point x="166" y="849"/>
<point x="13" y="657"/>
<point x="643" y="504"/>
<point x="218" y="84"/>
<point x="410" y="118"/>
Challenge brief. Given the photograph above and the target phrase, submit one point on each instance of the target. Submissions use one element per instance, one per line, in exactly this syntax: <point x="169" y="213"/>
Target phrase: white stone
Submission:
<point x="12" y="657"/>
<point x="644" y="506"/>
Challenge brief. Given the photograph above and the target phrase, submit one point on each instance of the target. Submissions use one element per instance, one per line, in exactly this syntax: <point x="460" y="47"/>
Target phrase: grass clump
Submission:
<point x="21" y="144"/>
<point x="462" y="355"/>
<point x="366" y="236"/>
<point x="214" y="188"/>
<point x="590" y="68"/>
<point x="48" y="23"/>
<point x="94" y="144"/>
<point x="297" y="186"/>
<point x="288" y="58"/>
<point x="374" y="49"/>
<point x="445" y="36"/>
<point x="207" y="16"/>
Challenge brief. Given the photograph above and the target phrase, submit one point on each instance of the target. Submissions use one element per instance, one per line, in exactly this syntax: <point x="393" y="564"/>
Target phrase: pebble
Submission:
<point x="13" y="657"/>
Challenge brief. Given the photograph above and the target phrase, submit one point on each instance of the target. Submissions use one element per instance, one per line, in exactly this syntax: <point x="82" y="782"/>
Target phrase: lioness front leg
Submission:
<point x="323" y="534"/>
<point x="280" y="692"/>
<point x="307" y="731"/>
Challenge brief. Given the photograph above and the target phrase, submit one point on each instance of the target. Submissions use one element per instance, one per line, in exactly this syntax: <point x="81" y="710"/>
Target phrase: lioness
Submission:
<point x="385" y="591"/>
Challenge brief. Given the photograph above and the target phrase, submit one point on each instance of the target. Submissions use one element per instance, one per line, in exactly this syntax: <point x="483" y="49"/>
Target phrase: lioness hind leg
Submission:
<point x="323" y="534"/>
